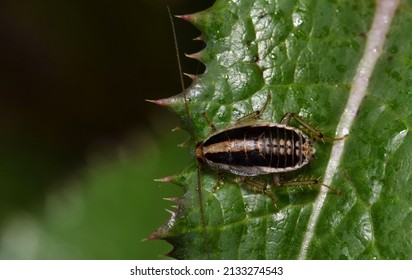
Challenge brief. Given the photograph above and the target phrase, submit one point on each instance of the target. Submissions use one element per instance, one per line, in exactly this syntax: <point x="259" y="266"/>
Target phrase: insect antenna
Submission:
<point x="176" y="48"/>
<point x="191" y="130"/>
<point x="182" y="82"/>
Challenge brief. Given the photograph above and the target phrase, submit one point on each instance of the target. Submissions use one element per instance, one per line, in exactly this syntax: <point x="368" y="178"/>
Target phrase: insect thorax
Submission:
<point x="256" y="149"/>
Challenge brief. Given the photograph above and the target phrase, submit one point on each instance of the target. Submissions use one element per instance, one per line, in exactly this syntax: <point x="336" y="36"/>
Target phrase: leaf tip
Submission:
<point x="191" y="76"/>
<point x="199" y="38"/>
<point x="172" y="199"/>
<point x="177" y="128"/>
<point x="160" y="102"/>
<point x="163" y="231"/>
<point x="193" y="55"/>
<point x="185" y="144"/>
<point x="187" y="17"/>
<point x="166" y="179"/>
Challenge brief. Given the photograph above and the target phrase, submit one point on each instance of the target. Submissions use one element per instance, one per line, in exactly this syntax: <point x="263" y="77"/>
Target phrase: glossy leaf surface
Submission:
<point x="304" y="54"/>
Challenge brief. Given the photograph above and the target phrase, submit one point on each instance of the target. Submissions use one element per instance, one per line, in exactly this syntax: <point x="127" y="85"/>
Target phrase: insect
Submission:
<point x="257" y="149"/>
<point x="254" y="147"/>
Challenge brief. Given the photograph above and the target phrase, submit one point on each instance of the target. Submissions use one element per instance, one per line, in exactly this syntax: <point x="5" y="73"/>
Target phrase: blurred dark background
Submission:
<point x="73" y="79"/>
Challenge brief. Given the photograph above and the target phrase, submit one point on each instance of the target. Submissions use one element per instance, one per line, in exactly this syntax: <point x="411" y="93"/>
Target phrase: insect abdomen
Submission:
<point x="256" y="150"/>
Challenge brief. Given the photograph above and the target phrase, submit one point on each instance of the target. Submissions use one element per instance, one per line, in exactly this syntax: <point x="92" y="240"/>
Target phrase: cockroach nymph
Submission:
<point x="253" y="147"/>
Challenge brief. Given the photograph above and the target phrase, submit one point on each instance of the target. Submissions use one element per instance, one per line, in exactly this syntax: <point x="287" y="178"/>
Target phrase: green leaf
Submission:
<point x="306" y="55"/>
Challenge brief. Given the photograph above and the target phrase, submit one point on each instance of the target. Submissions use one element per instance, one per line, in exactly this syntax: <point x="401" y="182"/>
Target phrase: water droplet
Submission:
<point x="297" y="19"/>
<point x="376" y="190"/>
<point x="396" y="141"/>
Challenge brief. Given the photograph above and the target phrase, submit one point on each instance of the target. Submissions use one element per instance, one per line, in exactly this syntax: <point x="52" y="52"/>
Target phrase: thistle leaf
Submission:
<point x="312" y="57"/>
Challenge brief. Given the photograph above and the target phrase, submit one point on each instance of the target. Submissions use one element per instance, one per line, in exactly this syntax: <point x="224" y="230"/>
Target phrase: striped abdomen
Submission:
<point x="256" y="150"/>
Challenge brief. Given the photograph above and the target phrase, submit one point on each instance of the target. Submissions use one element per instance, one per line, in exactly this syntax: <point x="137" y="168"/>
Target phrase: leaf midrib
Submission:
<point x="384" y="13"/>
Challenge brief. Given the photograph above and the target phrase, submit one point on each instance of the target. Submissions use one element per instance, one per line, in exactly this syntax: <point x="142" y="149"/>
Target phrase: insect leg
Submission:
<point x="252" y="117"/>
<point x="279" y="183"/>
<point x="214" y="129"/>
<point x="316" y="134"/>
<point x="261" y="187"/>
<point x="313" y="131"/>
